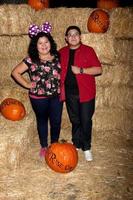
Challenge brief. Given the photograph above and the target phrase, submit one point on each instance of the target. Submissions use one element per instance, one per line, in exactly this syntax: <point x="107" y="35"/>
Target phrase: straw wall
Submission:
<point x="114" y="103"/>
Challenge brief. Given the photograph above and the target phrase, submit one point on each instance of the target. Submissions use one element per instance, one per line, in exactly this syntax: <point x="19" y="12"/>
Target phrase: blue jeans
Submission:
<point x="47" y="109"/>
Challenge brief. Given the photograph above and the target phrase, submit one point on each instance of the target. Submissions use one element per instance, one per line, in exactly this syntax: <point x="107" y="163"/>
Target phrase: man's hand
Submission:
<point x="75" y="69"/>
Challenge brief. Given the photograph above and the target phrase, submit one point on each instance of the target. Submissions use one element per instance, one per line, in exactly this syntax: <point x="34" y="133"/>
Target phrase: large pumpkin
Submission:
<point x="38" y="4"/>
<point x="12" y="109"/>
<point x="98" y="21"/>
<point x="61" y="157"/>
<point x="107" y="4"/>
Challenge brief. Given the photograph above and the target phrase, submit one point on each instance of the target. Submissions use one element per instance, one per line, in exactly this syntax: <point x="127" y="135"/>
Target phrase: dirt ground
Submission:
<point x="108" y="177"/>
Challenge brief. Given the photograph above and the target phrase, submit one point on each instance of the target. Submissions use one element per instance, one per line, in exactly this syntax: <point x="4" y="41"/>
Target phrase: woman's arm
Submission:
<point x="89" y="70"/>
<point x="17" y="75"/>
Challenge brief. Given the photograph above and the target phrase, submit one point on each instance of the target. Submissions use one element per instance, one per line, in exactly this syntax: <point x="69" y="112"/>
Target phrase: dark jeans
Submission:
<point x="80" y="115"/>
<point x="47" y="109"/>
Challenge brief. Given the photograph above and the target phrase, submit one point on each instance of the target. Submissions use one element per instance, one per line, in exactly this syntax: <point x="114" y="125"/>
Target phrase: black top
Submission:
<point x="71" y="86"/>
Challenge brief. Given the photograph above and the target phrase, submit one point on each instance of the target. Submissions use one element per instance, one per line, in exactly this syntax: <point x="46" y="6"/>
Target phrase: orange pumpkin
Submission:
<point x="107" y="4"/>
<point x="61" y="157"/>
<point x="39" y="4"/>
<point x="12" y="109"/>
<point x="98" y="21"/>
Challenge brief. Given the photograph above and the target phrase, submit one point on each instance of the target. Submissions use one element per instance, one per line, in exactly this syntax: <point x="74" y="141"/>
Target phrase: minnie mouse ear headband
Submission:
<point x="34" y="29"/>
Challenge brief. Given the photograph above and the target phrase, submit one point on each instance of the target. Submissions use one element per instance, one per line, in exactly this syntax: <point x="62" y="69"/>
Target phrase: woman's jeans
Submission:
<point x="80" y="115"/>
<point x="48" y="109"/>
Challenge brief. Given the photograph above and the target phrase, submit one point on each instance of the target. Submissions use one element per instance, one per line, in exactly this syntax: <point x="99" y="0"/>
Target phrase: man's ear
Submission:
<point x="66" y="39"/>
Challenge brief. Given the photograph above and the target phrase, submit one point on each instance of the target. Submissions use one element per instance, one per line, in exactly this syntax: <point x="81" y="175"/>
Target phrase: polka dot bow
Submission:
<point x="34" y="29"/>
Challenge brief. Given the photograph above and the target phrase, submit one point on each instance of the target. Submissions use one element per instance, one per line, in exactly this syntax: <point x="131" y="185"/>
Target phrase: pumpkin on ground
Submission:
<point x="107" y="4"/>
<point x="61" y="157"/>
<point x="98" y="21"/>
<point x="39" y="4"/>
<point x="12" y="109"/>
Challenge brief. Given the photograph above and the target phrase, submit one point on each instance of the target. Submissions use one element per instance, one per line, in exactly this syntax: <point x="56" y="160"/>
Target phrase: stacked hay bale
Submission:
<point x="13" y="38"/>
<point x="114" y="105"/>
<point x="17" y="136"/>
<point x="115" y="88"/>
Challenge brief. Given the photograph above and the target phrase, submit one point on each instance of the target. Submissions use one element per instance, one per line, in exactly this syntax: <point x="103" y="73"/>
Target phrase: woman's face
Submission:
<point x="73" y="38"/>
<point x="43" y="46"/>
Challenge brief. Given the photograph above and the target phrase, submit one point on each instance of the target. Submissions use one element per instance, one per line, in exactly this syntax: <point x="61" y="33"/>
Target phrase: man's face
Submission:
<point x="73" y="38"/>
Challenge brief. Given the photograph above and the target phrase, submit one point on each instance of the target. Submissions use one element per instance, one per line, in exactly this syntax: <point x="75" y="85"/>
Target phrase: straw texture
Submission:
<point x="109" y="177"/>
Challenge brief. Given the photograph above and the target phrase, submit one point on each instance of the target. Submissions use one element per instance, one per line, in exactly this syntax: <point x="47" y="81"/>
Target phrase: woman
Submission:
<point x="44" y="69"/>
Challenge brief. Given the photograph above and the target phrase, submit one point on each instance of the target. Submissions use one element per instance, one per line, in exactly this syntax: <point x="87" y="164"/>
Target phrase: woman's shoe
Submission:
<point x="42" y="152"/>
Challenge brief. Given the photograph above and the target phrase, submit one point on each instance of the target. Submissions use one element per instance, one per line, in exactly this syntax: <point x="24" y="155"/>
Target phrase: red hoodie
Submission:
<point x="85" y="57"/>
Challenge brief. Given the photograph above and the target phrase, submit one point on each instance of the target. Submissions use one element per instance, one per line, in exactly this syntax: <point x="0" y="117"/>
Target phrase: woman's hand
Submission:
<point x="29" y="85"/>
<point x="17" y="74"/>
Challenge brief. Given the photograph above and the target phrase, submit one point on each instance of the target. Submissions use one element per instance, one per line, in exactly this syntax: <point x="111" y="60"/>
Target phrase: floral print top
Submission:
<point x="45" y="77"/>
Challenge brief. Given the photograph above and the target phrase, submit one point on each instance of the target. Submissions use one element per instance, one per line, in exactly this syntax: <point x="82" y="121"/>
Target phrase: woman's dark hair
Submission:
<point x="32" y="50"/>
<point x="72" y="27"/>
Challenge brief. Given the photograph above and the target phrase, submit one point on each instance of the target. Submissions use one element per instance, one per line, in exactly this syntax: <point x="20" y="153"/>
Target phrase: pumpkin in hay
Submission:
<point x="12" y="109"/>
<point x="39" y="4"/>
<point x="98" y="21"/>
<point x="61" y="157"/>
<point x="107" y="4"/>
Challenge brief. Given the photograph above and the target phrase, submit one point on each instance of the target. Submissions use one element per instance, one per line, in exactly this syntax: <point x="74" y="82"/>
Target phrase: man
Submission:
<point x="79" y="65"/>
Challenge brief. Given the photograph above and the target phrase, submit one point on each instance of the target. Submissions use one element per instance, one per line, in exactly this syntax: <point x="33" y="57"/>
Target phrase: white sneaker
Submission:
<point x="88" y="155"/>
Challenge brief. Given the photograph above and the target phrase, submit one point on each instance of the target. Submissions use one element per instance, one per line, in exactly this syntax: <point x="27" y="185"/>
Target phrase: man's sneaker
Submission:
<point x="42" y="152"/>
<point x="88" y="155"/>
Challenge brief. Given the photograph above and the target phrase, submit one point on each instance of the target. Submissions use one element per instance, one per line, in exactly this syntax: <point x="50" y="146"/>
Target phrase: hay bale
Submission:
<point x="117" y="139"/>
<point x="111" y="119"/>
<point x="5" y="73"/>
<point x="61" y="18"/>
<point x="17" y="136"/>
<point x="114" y="96"/>
<point x="120" y="74"/>
<point x="19" y="17"/>
<point x="6" y="66"/>
<point x="16" y="19"/>
<point x="65" y="119"/>
<point x="19" y="93"/>
<point x="109" y="49"/>
<point x="123" y="49"/>
<point x="103" y="45"/>
<point x="121" y="22"/>
<point x="14" y="47"/>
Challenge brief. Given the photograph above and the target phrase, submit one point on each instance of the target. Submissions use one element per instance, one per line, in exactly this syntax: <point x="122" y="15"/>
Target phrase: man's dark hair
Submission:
<point x="72" y="27"/>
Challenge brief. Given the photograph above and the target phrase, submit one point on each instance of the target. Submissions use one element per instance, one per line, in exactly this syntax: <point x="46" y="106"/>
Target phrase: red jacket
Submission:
<point x="85" y="57"/>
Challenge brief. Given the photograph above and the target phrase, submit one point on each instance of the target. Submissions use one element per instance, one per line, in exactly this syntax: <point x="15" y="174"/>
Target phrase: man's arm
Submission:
<point x="88" y="70"/>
